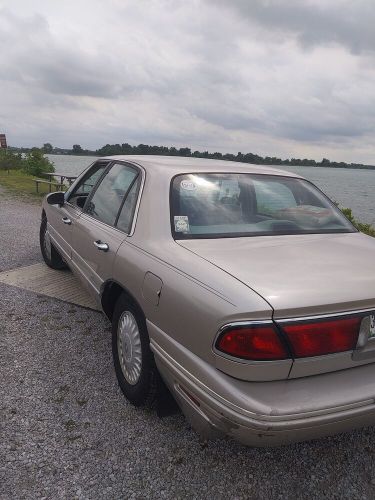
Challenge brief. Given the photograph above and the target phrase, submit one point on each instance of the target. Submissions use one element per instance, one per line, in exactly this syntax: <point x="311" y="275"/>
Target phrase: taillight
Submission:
<point x="322" y="337"/>
<point x="258" y="342"/>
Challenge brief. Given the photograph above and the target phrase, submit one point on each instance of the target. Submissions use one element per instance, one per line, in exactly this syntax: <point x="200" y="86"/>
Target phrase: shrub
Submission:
<point x="10" y="160"/>
<point x="37" y="164"/>
<point x="364" y="228"/>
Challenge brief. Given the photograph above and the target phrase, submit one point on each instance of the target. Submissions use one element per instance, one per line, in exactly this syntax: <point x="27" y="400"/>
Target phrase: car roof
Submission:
<point x="174" y="165"/>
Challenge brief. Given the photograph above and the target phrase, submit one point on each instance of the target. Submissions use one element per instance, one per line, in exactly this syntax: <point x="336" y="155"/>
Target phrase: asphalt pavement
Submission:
<point x="66" y="431"/>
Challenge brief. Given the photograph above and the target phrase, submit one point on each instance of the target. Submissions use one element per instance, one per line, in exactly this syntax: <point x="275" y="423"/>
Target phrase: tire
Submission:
<point x="50" y="255"/>
<point x="136" y="371"/>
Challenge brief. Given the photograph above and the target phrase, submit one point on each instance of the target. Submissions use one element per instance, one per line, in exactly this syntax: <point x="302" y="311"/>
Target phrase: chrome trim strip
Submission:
<point x="324" y="316"/>
<point x="246" y="323"/>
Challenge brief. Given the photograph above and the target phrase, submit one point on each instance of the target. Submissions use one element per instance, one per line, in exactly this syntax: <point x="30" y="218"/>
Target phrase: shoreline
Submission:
<point x="274" y="165"/>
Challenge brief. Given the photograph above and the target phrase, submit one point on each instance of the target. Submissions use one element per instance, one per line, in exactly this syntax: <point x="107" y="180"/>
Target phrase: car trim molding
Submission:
<point x="301" y="319"/>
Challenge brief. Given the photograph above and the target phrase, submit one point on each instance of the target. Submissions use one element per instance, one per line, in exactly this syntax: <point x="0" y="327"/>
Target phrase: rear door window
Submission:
<point x="127" y="211"/>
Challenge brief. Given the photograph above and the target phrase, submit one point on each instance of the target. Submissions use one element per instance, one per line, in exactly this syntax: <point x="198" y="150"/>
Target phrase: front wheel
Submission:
<point x="50" y="255"/>
<point x="135" y="367"/>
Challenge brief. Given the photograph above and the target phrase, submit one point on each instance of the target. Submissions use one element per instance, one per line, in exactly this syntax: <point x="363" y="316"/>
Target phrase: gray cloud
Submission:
<point x="344" y="22"/>
<point x="206" y="74"/>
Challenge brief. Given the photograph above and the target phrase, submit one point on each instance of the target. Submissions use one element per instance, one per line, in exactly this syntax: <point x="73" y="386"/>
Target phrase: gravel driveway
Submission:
<point x="67" y="432"/>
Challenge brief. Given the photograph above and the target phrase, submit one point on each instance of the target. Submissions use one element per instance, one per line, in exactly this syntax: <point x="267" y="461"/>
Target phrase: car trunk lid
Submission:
<point x="299" y="275"/>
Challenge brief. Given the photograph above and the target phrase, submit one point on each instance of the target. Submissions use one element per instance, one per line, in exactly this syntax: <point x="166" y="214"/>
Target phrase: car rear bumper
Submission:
<point x="264" y="413"/>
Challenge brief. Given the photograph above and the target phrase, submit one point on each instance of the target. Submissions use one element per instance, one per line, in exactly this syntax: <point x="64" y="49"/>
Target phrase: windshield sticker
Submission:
<point x="188" y="185"/>
<point x="181" y="223"/>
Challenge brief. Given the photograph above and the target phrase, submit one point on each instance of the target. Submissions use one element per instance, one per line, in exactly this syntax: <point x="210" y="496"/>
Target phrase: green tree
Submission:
<point x="143" y="149"/>
<point x="47" y="148"/>
<point x="126" y="149"/>
<point x="184" y="152"/>
<point x="37" y="164"/>
<point x="77" y="150"/>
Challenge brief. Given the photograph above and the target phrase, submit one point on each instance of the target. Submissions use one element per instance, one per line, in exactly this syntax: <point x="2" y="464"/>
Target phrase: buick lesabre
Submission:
<point x="242" y="288"/>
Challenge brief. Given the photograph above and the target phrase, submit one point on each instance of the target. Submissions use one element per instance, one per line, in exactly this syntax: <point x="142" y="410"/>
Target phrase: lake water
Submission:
<point x="353" y="188"/>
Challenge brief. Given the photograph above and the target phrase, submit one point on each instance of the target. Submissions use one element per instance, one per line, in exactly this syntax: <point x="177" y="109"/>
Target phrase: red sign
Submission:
<point x="3" y="141"/>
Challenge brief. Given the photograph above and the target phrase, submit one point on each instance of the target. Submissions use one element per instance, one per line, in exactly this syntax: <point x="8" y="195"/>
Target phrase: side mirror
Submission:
<point x="56" y="198"/>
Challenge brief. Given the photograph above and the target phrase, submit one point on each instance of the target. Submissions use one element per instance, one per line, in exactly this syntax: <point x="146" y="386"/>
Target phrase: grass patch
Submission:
<point x="19" y="182"/>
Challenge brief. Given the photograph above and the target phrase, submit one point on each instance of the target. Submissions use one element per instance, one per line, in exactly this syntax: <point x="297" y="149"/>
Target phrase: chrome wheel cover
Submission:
<point x="129" y="347"/>
<point x="47" y="244"/>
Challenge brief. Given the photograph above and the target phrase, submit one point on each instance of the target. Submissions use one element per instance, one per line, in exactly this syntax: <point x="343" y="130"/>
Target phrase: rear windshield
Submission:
<point x="230" y="205"/>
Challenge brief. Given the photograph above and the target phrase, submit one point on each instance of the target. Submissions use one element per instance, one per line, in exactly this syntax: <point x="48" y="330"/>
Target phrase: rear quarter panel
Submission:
<point x="196" y="298"/>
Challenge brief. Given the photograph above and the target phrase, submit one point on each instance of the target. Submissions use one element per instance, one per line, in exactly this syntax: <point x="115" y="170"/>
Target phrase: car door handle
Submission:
<point x="101" y="246"/>
<point x="66" y="220"/>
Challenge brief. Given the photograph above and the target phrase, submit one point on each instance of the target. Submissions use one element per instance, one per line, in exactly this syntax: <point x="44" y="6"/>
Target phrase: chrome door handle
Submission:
<point x="101" y="246"/>
<point x="66" y="221"/>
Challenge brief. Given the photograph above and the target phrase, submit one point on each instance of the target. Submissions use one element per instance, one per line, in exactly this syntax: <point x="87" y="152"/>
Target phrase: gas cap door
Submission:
<point x="151" y="288"/>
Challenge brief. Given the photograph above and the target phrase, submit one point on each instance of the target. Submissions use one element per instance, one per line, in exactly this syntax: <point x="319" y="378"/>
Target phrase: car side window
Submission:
<point x="82" y="190"/>
<point x="107" y="198"/>
<point x="127" y="211"/>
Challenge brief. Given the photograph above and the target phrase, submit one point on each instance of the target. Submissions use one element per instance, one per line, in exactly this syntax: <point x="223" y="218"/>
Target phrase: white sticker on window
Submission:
<point x="188" y="185"/>
<point x="181" y="223"/>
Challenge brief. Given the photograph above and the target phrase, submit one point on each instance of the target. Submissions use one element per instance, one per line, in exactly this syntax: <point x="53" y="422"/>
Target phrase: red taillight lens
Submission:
<point x="256" y="343"/>
<point x="323" y="337"/>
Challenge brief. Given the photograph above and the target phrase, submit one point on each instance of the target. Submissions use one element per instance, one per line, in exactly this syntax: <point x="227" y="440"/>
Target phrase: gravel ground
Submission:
<point x="19" y="222"/>
<point x="67" y="432"/>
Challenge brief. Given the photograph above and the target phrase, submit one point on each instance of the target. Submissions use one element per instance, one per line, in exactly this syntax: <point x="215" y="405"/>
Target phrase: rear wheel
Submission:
<point x="50" y="255"/>
<point x="134" y="362"/>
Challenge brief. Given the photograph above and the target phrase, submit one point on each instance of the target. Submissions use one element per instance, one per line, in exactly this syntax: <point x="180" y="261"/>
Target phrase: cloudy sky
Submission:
<point x="290" y="78"/>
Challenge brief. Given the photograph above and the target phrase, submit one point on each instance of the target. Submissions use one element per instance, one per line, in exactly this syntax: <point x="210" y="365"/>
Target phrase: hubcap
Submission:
<point x="47" y="244"/>
<point x="129" y="347"/>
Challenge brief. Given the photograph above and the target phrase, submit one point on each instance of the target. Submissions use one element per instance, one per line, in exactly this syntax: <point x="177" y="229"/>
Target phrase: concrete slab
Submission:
<point x="39" y="278"/>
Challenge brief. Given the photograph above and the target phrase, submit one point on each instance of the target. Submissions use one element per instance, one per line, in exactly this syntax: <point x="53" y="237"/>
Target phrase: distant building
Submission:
<point x="3" y="141"/>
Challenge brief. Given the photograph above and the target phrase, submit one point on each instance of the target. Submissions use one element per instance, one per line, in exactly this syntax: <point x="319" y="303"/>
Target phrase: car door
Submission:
<point x="103" y="225"/>
<point x="61" y="219"/>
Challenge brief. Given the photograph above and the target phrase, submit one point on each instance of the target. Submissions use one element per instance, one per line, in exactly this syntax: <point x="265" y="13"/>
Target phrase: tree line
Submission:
<point x="144" y="149"/>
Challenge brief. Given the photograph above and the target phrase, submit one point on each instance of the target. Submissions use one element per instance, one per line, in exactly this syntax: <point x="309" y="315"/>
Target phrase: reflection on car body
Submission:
<point x="242" y="288"/>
